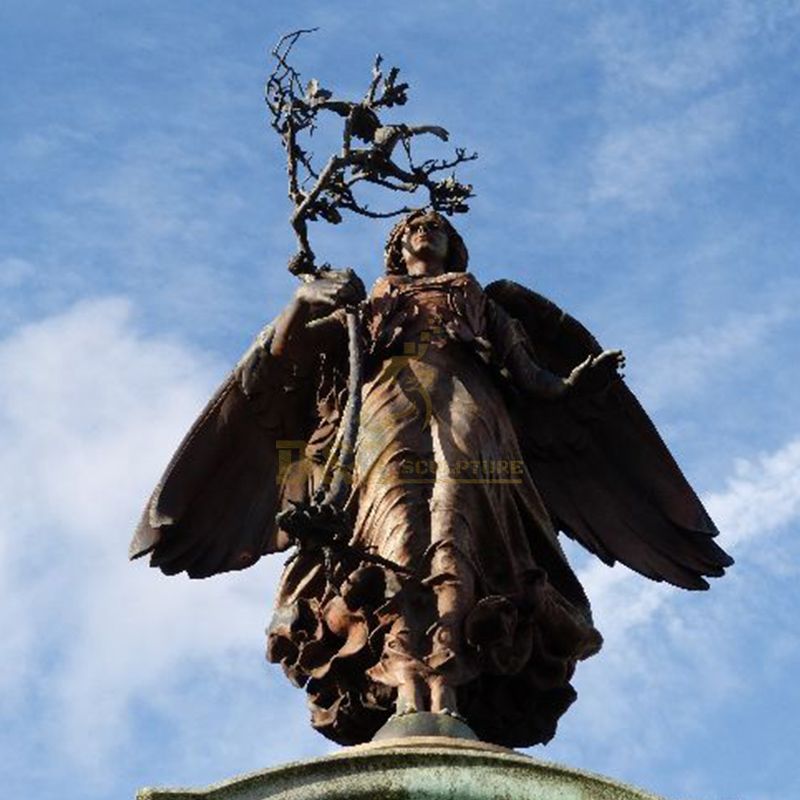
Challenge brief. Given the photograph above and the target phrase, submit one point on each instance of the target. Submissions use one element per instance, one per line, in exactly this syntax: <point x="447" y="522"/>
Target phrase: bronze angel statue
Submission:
<point x="490" y="421"/>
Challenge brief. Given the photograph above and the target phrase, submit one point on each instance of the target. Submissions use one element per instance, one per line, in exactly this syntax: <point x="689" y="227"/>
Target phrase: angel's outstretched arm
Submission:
<point x="532" y="379"/>
<point x="518" y="358"/>
<point x="513" y="351"/>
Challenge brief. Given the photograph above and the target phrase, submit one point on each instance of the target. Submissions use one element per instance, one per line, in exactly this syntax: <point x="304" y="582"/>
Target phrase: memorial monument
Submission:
<point x="420" y="448"/>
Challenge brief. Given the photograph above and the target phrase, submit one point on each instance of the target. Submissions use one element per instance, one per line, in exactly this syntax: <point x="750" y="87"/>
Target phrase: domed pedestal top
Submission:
<point x="416" y="767"/>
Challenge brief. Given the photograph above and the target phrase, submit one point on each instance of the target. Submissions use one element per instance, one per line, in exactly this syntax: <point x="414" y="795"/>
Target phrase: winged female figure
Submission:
<point x="490" y="421"/>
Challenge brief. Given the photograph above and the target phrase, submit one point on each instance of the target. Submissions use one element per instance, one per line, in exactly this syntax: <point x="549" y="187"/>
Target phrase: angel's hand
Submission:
<point x="316" y="298"/>
<point x="591" y="365"/>
<point x="331" y="290"/>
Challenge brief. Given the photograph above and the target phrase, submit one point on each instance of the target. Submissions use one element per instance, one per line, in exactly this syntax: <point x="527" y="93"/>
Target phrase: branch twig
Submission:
<point x="294" y="111"/>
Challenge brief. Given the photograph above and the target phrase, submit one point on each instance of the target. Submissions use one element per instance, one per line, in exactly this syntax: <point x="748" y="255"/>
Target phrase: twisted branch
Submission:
<point x="324" y="194"/>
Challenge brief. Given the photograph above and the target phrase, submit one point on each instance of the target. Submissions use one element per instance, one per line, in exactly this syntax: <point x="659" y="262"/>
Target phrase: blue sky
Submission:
<point x="638" y="165"/>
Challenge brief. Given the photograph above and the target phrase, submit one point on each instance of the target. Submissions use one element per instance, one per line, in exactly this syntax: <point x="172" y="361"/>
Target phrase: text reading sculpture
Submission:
<point x="421" y="447"/>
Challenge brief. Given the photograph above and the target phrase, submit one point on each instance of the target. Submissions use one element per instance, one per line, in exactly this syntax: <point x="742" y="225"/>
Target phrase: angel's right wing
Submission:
<point x="604" y="473"/>
<point x="214" y="508"/>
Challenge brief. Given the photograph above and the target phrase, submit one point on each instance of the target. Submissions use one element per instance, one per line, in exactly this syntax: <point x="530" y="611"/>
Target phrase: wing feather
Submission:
<point x="214" y="508"/>
<point x="604" y="472"/>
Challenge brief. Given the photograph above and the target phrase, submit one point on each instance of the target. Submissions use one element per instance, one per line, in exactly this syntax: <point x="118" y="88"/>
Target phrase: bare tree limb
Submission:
<point x="294" y="112"/>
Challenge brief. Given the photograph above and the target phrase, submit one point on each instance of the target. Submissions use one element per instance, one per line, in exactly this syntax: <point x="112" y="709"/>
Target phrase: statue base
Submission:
<point x="424" y="723"/>
<point x="416" y="767"/>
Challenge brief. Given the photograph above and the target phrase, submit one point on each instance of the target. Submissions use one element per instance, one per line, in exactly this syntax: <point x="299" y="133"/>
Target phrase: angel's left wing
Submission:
<point x="214" y="508"/>
<point x="604" y="473"/>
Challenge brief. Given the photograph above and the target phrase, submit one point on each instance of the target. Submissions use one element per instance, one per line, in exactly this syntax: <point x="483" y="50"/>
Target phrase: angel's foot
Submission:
<point x="454" y="714"/>
<point x="443" y="697"/>
<point x="403" y="710"/>
<point x="410" y="696"/>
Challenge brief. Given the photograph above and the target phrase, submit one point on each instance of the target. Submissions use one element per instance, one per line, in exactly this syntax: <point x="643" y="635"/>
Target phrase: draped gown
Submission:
<point x="482" y="594"/>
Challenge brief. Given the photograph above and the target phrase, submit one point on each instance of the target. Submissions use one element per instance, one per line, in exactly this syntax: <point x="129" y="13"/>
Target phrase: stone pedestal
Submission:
<point x="416" y="767"/>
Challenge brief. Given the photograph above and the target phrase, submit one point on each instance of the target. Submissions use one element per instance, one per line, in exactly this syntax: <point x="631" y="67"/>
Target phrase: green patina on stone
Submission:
<point x="418" y="767"/>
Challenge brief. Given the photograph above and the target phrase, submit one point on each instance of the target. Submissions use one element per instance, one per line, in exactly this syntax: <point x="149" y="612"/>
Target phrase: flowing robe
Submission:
<point x="440" y="488"/>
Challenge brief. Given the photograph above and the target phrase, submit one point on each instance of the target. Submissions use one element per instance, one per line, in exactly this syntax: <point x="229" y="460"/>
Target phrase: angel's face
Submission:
<point x="425" y="244"/>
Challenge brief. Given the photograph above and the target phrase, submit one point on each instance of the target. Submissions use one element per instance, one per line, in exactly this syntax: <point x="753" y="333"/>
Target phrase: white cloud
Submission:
<point x="672" y="660"/>
<point x="761" y="497"/>
<point x="642" y="55"/>
<point x="90" y="411"/>
<point x="672" y="98"/>
<point x="686" y="364"/>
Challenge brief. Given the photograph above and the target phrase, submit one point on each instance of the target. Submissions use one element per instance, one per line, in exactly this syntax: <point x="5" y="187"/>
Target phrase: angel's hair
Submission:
<point x="457" y="255"/>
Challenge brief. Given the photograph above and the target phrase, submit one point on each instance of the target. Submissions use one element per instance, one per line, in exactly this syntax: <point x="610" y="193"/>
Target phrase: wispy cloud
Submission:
<point x="672" y="100"/>
<point x="54" y="140"/>
<point x="673" y="660"/>
<point x="673" y="93"/>
<point x="696" y="361"/>
<point x="662" y="55"/>
<point x="90" y="410"/>
<point x="118" y="198"/>
<point x="761" y="497"/>
<point x="14" y="271"/>
<point x="638" y="166"/>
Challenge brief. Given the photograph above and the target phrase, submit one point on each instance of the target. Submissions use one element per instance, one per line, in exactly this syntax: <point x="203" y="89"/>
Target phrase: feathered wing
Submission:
<point x="604" y="473"/>
<point x="214" y="508"/>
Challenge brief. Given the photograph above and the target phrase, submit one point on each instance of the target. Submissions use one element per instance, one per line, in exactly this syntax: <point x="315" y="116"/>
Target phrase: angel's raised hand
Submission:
<point x="331" y="290"/>
<point x="614" y="358"/>
<point x="591" y="364"/>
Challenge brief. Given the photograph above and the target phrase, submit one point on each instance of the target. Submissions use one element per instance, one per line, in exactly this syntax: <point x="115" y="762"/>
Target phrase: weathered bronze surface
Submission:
<point x="483" y="421"/>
